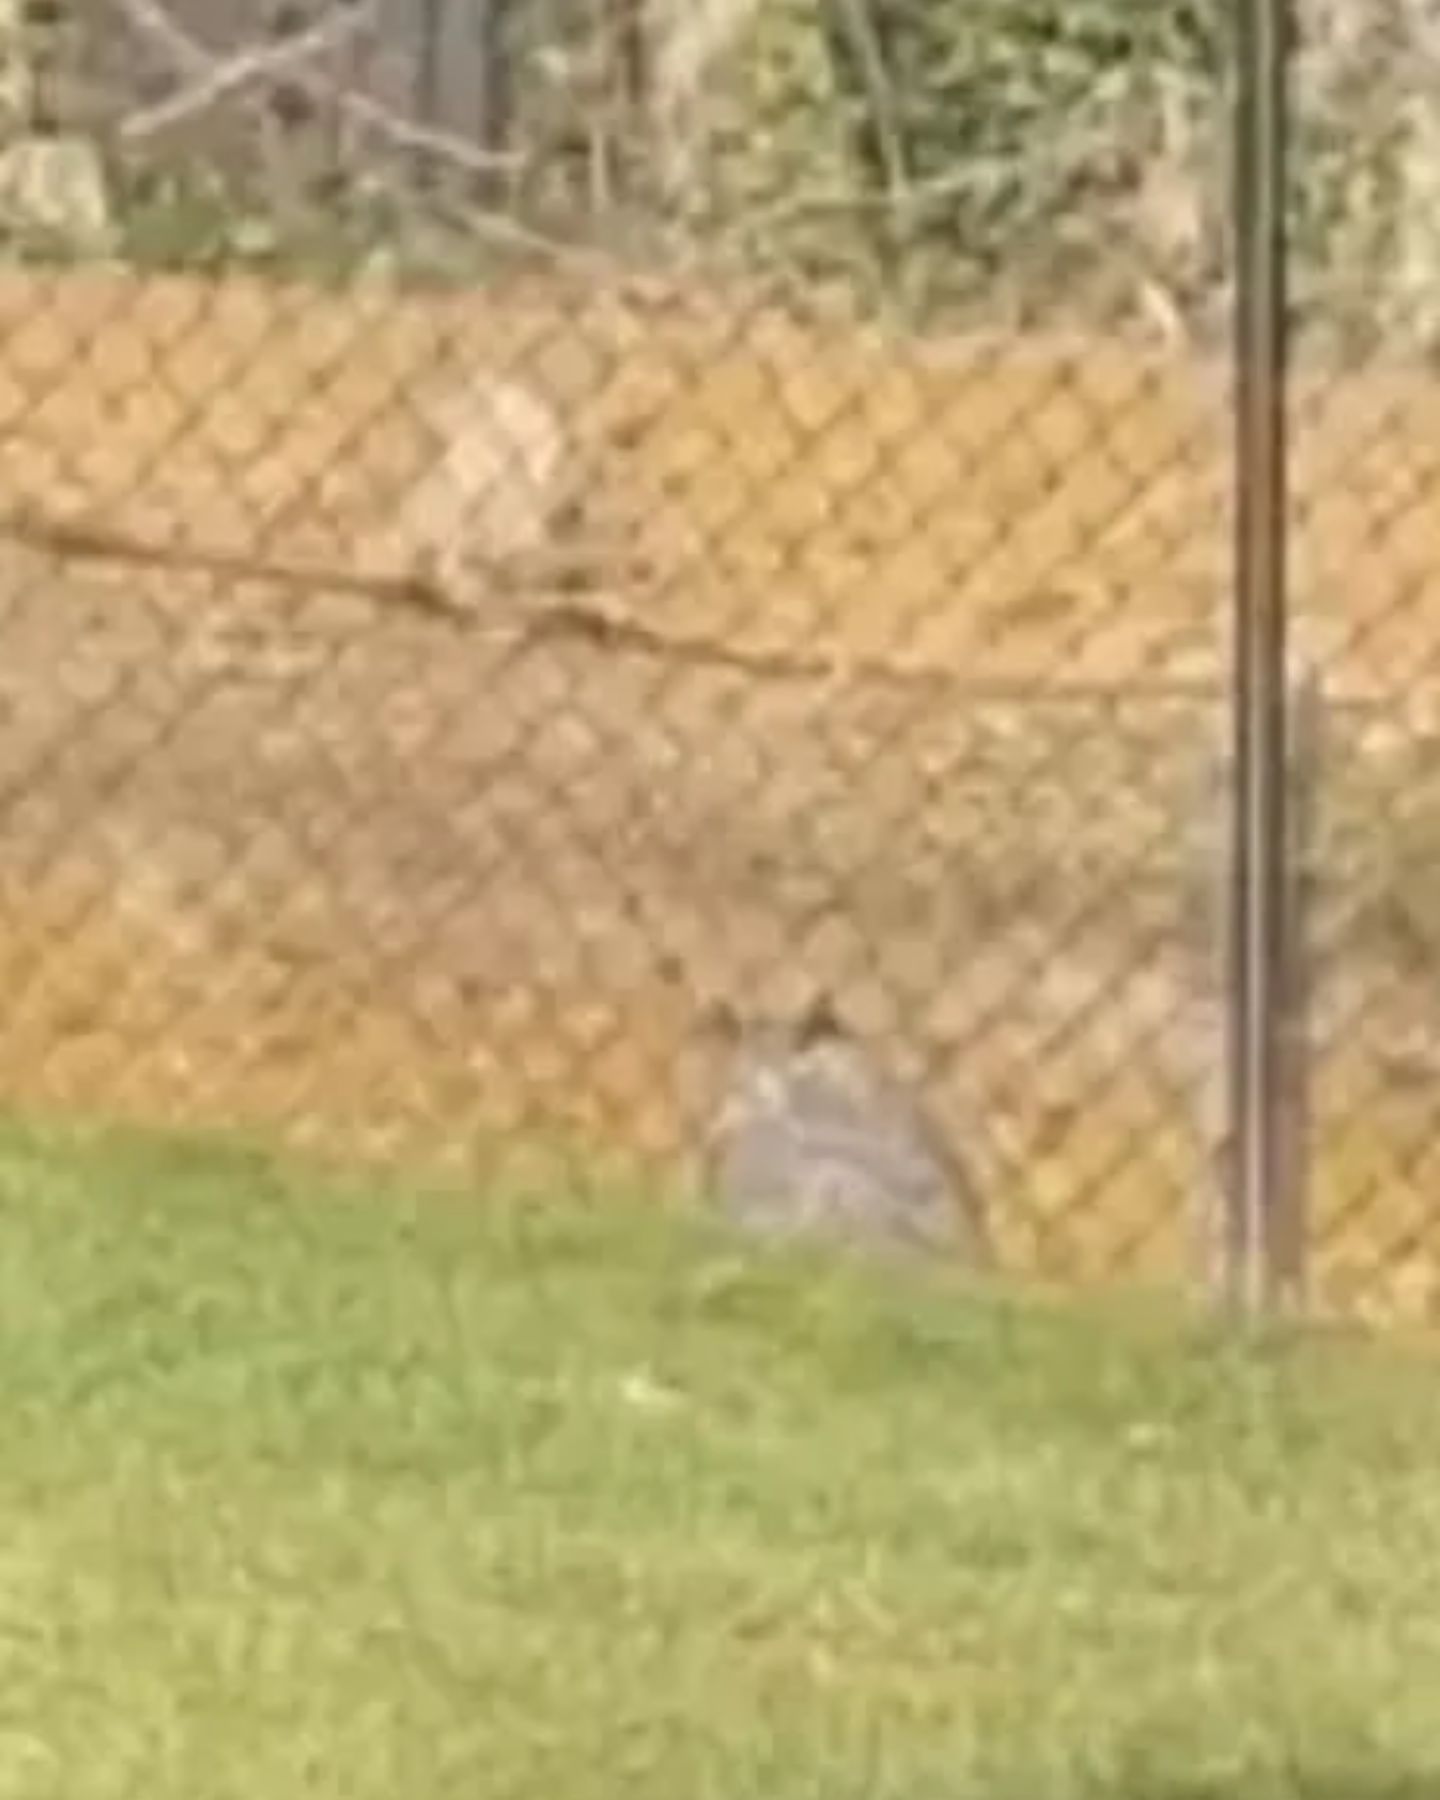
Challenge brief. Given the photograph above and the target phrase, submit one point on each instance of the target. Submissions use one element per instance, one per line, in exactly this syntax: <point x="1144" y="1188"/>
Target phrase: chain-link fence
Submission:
<point x="548" y="544"/>
<point x="1364" y="261"/>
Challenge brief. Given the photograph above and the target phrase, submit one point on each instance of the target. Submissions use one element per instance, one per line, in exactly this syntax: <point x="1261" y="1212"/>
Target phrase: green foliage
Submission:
<point x="972" y="146"/>
<point x="1025" y="156"/>
<point x="1008" y="158"/>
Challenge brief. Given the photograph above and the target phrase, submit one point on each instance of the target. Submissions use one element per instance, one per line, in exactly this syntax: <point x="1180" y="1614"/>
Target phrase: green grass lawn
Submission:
<point x="311" y="1488"/>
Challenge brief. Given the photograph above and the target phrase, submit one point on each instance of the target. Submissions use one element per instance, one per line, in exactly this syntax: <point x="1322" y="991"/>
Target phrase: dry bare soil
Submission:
<point x="922" y="710"/>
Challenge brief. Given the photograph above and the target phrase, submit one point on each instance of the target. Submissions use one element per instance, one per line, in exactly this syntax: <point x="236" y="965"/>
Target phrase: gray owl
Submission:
<point x="814" y="1138"/>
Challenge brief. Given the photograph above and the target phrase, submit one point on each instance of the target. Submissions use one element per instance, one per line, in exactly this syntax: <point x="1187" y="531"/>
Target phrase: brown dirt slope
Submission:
<point x="277" y="853"/>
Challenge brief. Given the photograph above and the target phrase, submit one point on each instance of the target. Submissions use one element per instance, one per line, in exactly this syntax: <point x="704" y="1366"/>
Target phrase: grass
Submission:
<point x="318" y="1488"/>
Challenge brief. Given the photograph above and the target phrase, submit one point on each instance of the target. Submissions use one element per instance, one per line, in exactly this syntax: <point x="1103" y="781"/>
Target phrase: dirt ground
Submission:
<point x="293" y="856"/>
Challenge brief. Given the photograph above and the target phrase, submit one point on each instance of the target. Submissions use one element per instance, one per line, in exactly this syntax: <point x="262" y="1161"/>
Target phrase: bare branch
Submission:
<point x="211" y="79"/>
<point x="154" y="22"/>
<point x="859" y="22"/>
<point x="442" y="144"/>
<point x="223" y="77"/>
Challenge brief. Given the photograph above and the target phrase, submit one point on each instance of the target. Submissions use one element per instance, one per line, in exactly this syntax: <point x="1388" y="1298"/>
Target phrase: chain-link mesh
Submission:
<point x="535" y="549"/>
<point x="1364" y="410"/>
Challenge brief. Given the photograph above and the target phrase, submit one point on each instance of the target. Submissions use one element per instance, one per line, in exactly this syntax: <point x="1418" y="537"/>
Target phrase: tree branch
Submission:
<point x="213" y="79"/>
<point x="154" y="22"/>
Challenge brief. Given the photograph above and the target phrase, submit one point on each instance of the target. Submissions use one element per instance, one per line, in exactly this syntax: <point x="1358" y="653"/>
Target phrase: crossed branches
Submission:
<point x="205" y="79"/>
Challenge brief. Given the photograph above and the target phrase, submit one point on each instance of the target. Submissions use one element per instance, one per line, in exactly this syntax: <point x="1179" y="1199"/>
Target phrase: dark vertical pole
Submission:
<point x="498" y="53"/>
<point x="430" y="21"/>
<point x="1259" y="951"/>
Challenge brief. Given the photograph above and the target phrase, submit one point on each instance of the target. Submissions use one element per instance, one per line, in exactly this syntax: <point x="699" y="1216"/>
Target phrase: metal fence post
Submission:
<point x="1258" y="924"/>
